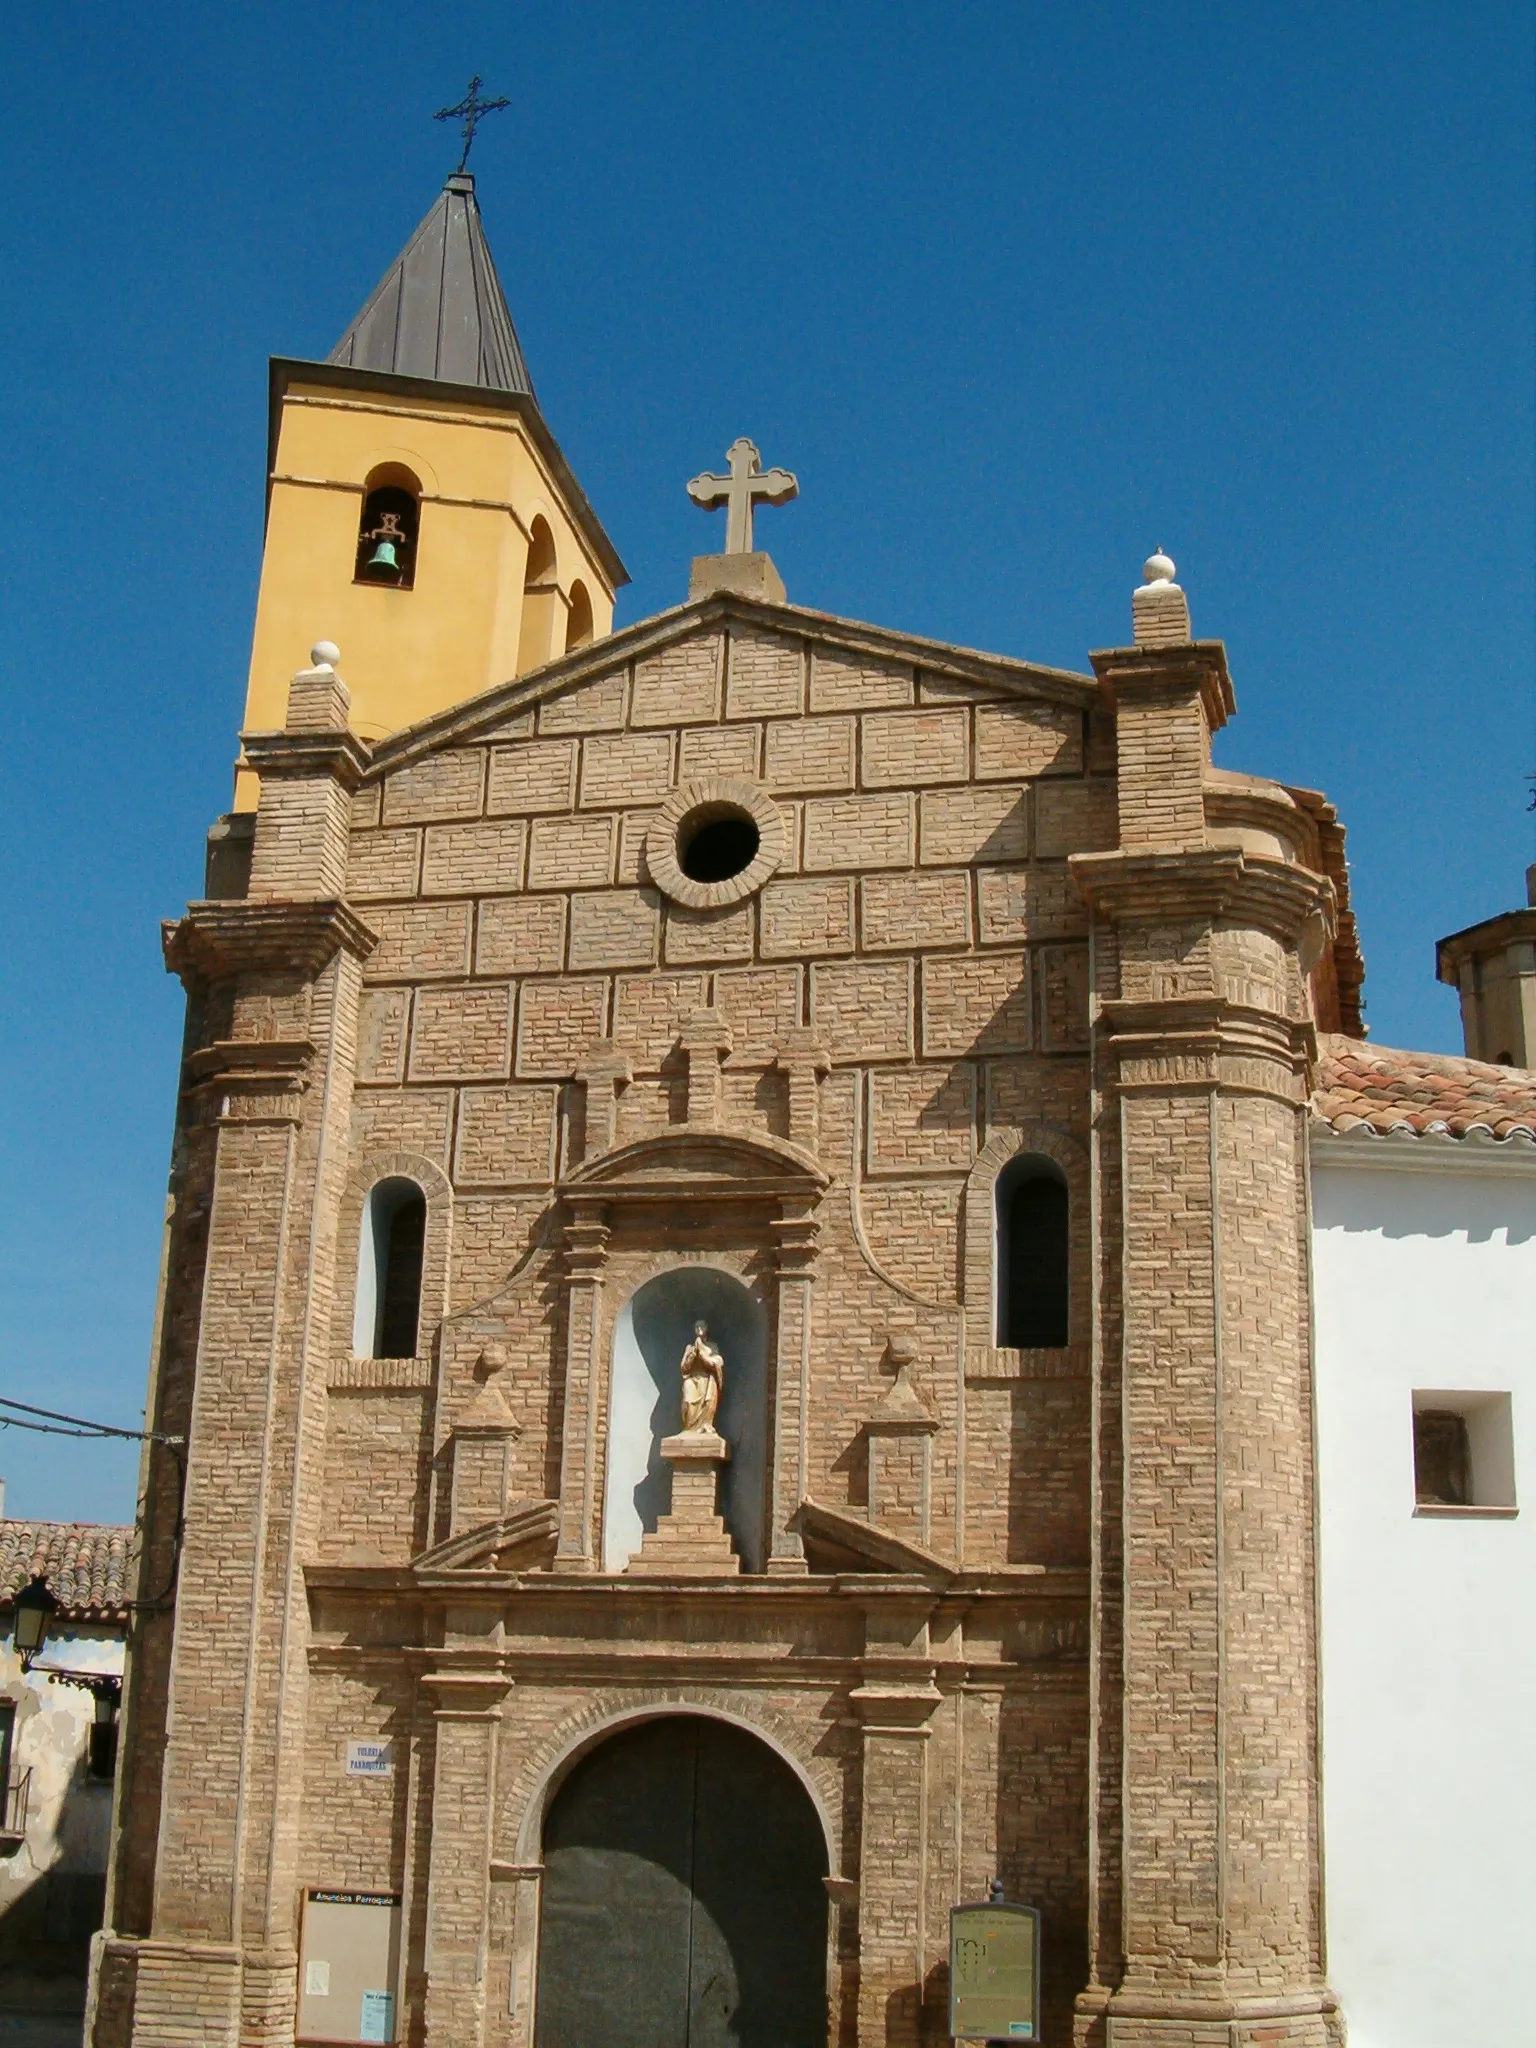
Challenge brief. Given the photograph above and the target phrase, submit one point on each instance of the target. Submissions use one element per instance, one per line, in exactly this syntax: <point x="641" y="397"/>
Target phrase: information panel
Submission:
<point x="349" y="1956"/>
<point x="994" y="1973"/>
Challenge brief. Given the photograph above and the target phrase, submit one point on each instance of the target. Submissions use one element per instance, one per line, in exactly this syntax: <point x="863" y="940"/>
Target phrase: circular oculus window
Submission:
<point x="712" y="843"/>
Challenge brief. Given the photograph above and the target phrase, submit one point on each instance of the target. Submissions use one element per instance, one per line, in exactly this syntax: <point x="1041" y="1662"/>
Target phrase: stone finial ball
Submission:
<point x="1158" y="568"/>
<point x="324" y="654"/>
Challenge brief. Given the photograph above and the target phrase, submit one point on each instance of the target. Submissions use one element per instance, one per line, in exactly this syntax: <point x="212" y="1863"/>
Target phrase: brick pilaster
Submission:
<point x="466" y="1700"/>
<point x="1205" y="1808"/>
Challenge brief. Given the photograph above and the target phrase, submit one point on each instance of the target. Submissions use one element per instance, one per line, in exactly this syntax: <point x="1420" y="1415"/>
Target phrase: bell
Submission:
<point x="383" y="557"/>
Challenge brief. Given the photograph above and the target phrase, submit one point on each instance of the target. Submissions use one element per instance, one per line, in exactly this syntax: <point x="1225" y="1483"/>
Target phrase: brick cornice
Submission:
<point x="308" y="755"/>
<point x="216" y="940"/>
<point x="1205" y="883"/>
<point x="1131" y="672"/>
<point x="1177" y="1042"/>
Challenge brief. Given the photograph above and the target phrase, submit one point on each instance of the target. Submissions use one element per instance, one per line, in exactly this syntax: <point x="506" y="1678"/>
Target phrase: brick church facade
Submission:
<point x="938" y="1029"/>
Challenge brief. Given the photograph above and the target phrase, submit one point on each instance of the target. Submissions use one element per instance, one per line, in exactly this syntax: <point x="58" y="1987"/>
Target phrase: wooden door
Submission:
<point x="683" y="1904"/>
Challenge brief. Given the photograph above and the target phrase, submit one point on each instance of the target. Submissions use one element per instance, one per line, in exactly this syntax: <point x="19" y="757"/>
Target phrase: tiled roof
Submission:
<point x="85" y="1564"/>
<point x="1374" y="1087"/>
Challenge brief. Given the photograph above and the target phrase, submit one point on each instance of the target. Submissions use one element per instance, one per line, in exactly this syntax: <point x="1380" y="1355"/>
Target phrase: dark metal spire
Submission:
<point x="439" y="310"/>
<point x="472" y="110"/>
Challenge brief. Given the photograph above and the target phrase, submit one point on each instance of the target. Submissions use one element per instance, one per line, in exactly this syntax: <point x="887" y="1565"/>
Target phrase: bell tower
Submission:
<point x="419" y="511"/>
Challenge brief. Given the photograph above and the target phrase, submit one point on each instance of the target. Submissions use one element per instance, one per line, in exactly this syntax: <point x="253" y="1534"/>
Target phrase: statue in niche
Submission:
<point x="703" y="1371"/>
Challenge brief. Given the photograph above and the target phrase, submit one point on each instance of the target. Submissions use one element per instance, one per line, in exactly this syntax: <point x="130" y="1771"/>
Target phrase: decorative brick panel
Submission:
<point x="759" y="1004"/>
<point x="1021" y="740"/>
<point x="972" y="825"/>
<point x="858" y="832"/>
<point x="365" y="807"/>
<point x="627" y="769"/>
<point x="680" y="685"/>
<point x="863" y="1009"/>
<point x="841" y="685"/>
<point x="648" y="1011"/>
<point x="469" y="860"/>
<point x="506" y="1134"/>
<point x="914" y="1233"/>
<point x="914" y="748"/>
<point x="1029" y="903"/>
<point x="764" y="676"/>
<point x="810" y="753"/>
<point x="976" y="1004"/>
<point x="807" y="917"/>
<point x="557" y="1021"/>
<point x="1074" y="817"/>
<point x="903" y="912"/>
<point x="419" y="941"/>
<point x="711" y="751"/>
<point x="460" y="1033"/>
<point x="633" y="827"/>
<point x="449" y="785"/>
<point x="1063" y="997"/>
<point x="382" y="1020"/>
<point x="614" y="928"/>
<point x="921" y="1119"/>
<point x="597" y="706"/>
<point x="538" y="777"/>
<point x="521" y="935"/>
<point x="565" y="853"/>
<point x="405" y="1120"/>
<point x="383" y="864"/>
<point x="710" y="934"/>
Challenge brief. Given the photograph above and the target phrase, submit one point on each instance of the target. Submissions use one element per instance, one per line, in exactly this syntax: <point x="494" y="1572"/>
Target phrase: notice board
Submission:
<point x="994" y="1973"/>
<point x="349" y="1957"/>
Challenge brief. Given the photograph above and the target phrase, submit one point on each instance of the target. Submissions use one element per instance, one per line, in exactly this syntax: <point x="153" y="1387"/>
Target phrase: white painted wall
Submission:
<point x="1425" y="1278"/>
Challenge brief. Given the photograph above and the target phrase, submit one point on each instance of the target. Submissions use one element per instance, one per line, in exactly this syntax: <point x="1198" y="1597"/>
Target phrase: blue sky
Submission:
<point x="1019" y="291"/>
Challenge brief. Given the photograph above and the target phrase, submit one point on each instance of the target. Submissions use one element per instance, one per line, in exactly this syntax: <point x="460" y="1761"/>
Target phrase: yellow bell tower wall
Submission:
<point x="511" y="565"/>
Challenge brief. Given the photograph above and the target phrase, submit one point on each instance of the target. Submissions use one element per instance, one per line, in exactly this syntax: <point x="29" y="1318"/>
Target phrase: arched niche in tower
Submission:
<point x="651" y="1333"/>
<point x="541" y="599"/>
<point x="389" y="529"/>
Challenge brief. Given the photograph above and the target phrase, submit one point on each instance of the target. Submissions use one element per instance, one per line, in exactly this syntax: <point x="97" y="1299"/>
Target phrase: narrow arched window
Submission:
<point x="1032" y="1249"/>
<point x="389" y="529"/>
<point x="386" y="1323"/>
<point x="578" y="624"/>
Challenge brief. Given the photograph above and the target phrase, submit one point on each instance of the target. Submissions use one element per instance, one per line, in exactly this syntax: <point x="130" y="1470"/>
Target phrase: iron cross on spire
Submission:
<point x="747" y="483"/>
<point x="472" y="110"/>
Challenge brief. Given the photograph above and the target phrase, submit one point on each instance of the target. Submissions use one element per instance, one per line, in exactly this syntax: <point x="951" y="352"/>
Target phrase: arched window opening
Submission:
<point x="541" y="594"/>
<point x="388" y="530"/>
<point x="386" y="1323"/>
<point x="578" y="624"/>
<point x="1032" y="1254"/>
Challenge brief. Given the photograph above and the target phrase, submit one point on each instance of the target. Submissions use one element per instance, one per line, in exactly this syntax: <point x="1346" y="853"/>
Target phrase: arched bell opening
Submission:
<point x="541" y="594"/>
<point x="651" y="1333"/>
<point x="683" y="1896"/>
<point x="390" y="528"/>
<point x="578" y="622"/>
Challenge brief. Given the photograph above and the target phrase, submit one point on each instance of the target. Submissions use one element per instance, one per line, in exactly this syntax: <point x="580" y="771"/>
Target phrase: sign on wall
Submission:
<point x="349" y="1958"/>
<point x="369" y="1760"/>
<point x="994" y="1973"/>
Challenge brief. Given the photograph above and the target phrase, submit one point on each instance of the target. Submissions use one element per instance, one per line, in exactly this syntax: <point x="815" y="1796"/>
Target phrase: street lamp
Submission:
<point x="32" y="1610"/>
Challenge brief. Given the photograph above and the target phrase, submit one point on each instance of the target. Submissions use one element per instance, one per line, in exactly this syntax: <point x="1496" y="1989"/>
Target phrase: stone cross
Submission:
<point x="747" y="482"/>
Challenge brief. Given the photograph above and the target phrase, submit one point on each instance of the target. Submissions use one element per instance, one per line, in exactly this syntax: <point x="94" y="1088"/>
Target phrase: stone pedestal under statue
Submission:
<point x="691" y="1539"/>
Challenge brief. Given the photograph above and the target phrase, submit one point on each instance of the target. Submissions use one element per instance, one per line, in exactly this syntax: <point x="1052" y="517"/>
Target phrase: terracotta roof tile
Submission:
<point x="86" y="1565"/>
<point x="1380" y="1089"/>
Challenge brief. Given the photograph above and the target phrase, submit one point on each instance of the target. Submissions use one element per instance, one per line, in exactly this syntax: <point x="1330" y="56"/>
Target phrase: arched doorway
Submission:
<point x="683" y="1903"/>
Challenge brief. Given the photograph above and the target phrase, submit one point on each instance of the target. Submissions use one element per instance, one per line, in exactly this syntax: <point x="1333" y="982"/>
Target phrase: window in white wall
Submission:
<point x="1463" y="1453"/>
<point x="388" y="1311"/>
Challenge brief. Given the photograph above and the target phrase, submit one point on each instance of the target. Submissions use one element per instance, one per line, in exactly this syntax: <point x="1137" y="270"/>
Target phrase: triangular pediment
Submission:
<point x="838" y="1541"/>
<point x="523" y="1536"/>
<point x="969" y="673"/>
